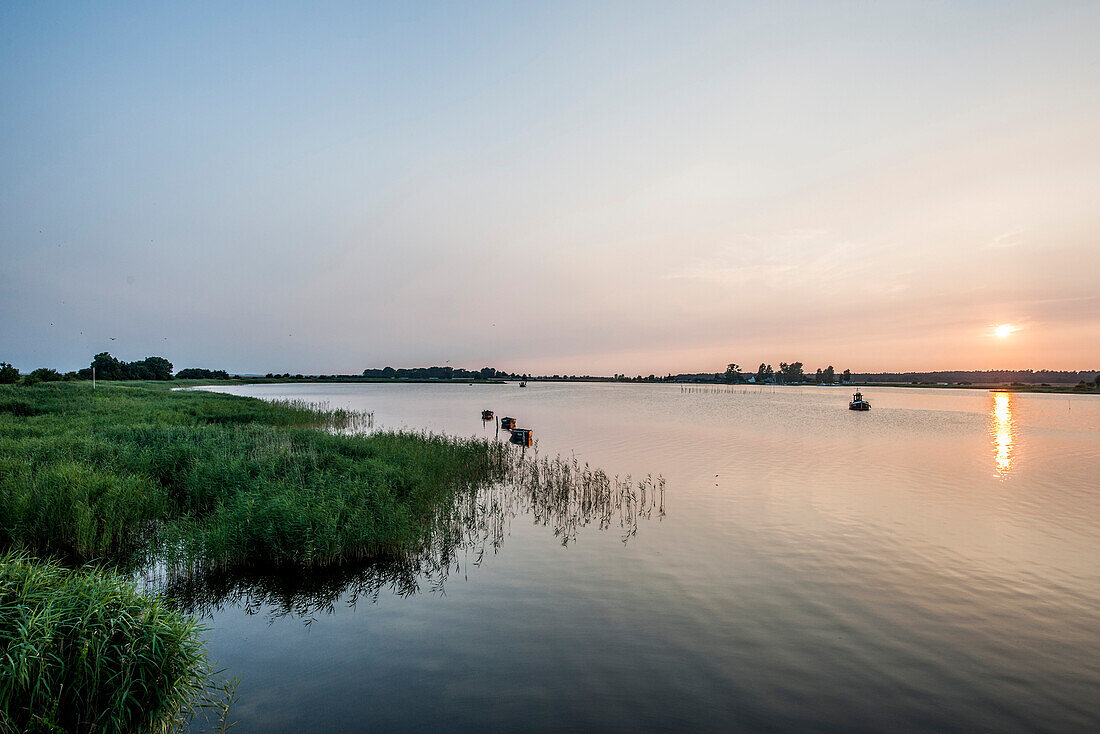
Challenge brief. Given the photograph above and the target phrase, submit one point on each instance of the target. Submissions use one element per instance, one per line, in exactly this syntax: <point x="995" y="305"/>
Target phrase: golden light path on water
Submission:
<point x="1003" y="430"/>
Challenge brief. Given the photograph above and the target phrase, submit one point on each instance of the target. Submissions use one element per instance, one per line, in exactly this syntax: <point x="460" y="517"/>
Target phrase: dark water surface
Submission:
<point x="932" y="565"/>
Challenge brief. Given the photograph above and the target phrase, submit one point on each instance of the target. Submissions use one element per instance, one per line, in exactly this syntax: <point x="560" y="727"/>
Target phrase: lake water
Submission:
<point x="932" y="565"/>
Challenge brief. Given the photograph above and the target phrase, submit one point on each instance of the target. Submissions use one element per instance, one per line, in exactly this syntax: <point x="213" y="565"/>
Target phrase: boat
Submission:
<point x="486" y="415"/>
<point x="523" y="383"/>
<point x="858" y="403"/>
<point x="507" y="423"/>
<point x="522" y="436"/>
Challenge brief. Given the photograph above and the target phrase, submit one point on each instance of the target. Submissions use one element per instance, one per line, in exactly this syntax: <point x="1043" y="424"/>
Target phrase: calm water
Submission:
<point x="932" y="565"/>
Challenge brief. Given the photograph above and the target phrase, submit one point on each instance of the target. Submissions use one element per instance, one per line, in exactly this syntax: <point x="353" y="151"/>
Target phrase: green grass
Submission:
<point x="217" y="481"/>
<point x="82" y="651"/>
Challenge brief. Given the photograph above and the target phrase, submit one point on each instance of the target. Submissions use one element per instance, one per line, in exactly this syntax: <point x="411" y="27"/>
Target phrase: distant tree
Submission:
<point x="846" y="376"/>
<point x="1096" y="381"/>
<point x="45" y="374"/>
<point x="819" y="376"/>
<point x="106" y="367"/>
<point x="791" y="373"/>
<point x="150" y="368"/>
<point x="8" y="374"/>
<point x="829" y="376"/>
<point x="733" y="372"/>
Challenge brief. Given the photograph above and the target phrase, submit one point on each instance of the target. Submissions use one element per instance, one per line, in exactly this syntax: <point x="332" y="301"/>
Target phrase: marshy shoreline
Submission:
<point x="98" y="484"/>
<point x="130" y="511"/>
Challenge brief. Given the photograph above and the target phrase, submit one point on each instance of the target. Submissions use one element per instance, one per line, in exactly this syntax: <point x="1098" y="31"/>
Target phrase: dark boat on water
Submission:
<point x="507" y="423"/>
<point x="858" y="403"/>
<point x="522" y="436"/>
<point x="486" y="415"/>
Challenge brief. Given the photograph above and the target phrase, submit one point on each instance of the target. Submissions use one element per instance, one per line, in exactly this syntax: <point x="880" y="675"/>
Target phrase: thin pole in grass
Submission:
<point x="93" y="378"/>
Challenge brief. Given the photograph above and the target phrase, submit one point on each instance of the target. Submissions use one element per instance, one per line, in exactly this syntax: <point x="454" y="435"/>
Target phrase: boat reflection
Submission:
<point x="556" y="493"/>
<point x="1003" y="430"/>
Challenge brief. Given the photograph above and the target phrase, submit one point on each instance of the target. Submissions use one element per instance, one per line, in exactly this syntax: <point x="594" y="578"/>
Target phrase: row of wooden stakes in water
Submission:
<point x="521" y="436"/>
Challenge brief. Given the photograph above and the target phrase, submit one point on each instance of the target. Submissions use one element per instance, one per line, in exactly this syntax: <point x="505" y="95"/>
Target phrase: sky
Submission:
<point x="585" y="188"/>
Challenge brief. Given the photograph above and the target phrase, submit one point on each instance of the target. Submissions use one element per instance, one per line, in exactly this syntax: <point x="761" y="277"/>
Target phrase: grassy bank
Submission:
<point x="215" y="480"/>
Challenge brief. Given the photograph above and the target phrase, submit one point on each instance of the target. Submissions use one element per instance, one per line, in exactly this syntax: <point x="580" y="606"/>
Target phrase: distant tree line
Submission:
<point x="197" y="373"/>
<point x="109" y="368"/>
<point x="789" y="373"/>
<point x="995" y="377"/>
<point x="9" y="375"/>
<point x="437" y="373"/>
<point x="793" y="373"/>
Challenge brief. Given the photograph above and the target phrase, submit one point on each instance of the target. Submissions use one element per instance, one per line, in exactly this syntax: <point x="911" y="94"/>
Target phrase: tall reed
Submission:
<point x="82" y="651"/>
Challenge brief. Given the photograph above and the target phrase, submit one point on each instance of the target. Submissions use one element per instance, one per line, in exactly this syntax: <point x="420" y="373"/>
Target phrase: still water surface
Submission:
<point x="932" y="565"/>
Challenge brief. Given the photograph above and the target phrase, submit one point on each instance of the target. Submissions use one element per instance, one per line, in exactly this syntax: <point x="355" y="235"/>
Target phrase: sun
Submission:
<point x="1003" y="330"/>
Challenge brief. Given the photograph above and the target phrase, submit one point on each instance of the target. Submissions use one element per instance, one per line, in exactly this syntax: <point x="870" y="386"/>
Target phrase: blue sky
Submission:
<point x="620" y="187"/>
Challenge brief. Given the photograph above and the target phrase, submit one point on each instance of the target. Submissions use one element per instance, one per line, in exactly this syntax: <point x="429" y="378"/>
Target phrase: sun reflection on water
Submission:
<point x="1003" y="429"/>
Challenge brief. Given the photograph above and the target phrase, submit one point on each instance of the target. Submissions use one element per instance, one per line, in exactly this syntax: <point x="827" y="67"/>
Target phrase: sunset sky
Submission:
<point x="566" y="187"/>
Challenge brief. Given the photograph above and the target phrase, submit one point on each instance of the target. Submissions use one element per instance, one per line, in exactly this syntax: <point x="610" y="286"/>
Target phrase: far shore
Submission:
<point x="1020" y="387"/>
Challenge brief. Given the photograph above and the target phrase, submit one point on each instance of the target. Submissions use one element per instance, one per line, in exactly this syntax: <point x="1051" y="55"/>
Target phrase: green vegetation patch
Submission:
<point x="206" y="480"/>
<point x="83" y="651"/>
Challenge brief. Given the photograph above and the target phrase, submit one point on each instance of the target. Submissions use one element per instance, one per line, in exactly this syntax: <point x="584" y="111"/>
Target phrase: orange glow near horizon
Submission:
<point x="1003" y="430"/>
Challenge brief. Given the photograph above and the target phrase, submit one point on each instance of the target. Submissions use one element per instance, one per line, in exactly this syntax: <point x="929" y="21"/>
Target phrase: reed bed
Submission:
<point x="217" y="481"/>
<point x="464" y="528"/>
<point x="82" y="651"/>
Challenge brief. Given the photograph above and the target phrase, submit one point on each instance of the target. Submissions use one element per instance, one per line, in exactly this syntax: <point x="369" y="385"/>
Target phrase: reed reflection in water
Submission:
<point x="558" y="493"/>
<point x="1003" y="430"/>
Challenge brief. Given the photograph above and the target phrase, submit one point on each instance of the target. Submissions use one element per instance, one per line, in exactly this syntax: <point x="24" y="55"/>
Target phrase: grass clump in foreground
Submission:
<point x="82" y="651"/>
<point x="206" y="480"/>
